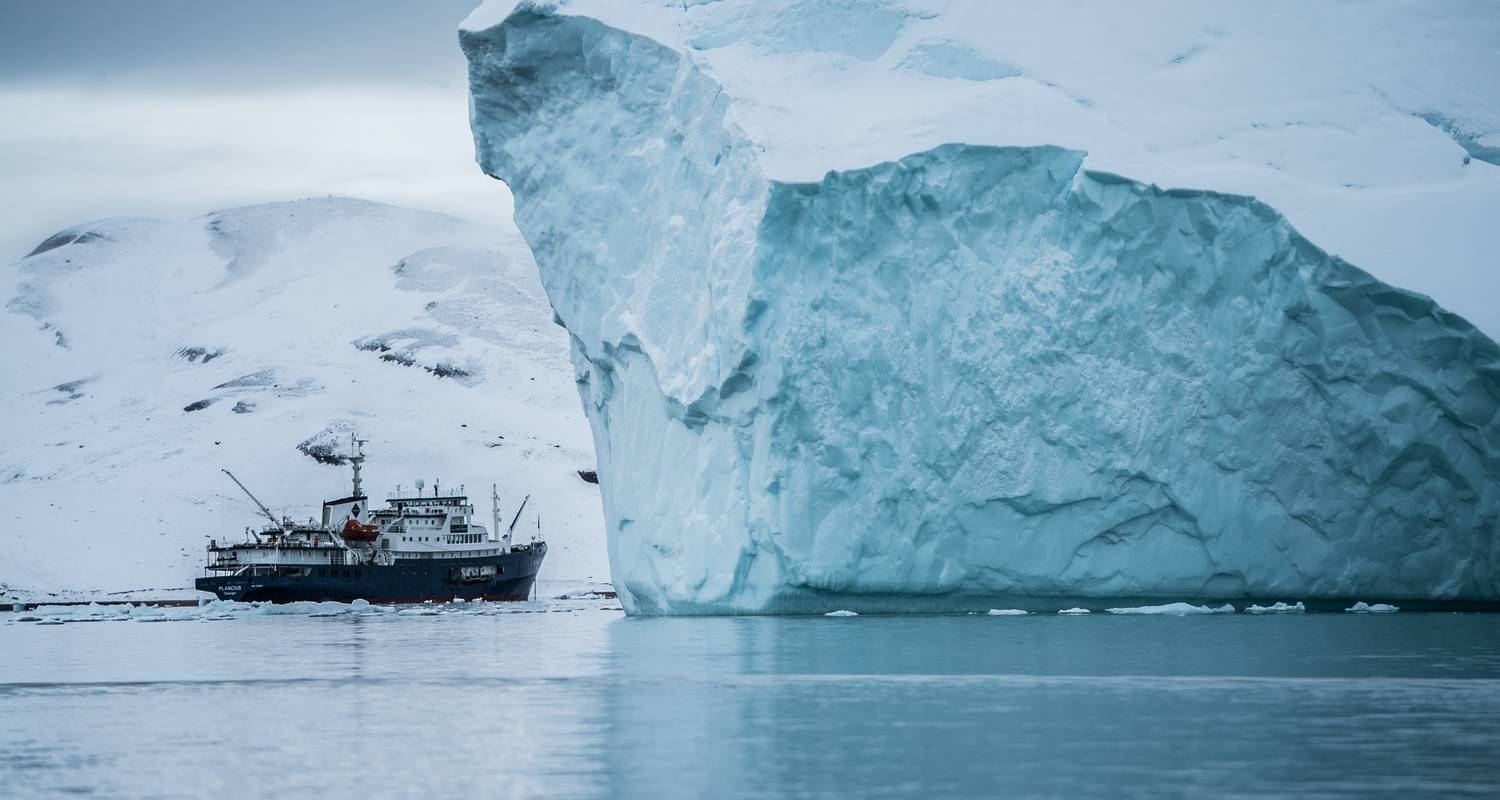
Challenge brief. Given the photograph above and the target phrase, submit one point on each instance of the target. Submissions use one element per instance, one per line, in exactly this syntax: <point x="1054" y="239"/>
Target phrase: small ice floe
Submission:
<point x="308" y="608"/>
<point x="209" y="611"/>
<point x="1372" y="608"/>
<point x="1007" y="612"/>
<point x="1173" y="610"/>
<point x="1074" y="611"/>
<point x="1278" y="608"/>
<point x="841" y="613"/>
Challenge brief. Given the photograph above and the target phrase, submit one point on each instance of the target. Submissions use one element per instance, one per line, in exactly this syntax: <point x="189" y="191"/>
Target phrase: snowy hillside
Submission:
<point x="142" y="356"/>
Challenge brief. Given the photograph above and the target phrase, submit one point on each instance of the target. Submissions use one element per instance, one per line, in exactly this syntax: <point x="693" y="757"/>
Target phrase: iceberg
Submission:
<point x="967" y="372"/>
<point x="1372" y="608"/>
<point x="1172" y="610"/>
<point x="1278" y="607"/>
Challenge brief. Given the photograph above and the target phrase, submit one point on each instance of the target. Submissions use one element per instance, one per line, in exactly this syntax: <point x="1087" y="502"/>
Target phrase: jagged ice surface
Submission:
<point x="969" y="371"/>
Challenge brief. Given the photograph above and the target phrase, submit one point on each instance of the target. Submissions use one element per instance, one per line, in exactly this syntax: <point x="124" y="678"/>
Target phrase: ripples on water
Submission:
<point x="575" y="700"/>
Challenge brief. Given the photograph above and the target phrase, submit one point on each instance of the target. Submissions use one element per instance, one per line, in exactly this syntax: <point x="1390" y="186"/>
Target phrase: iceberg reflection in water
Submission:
<point x="580" y="702"/>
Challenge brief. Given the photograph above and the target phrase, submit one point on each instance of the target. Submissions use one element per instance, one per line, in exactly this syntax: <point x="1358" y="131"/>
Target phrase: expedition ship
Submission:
<point x="419" y="547"/>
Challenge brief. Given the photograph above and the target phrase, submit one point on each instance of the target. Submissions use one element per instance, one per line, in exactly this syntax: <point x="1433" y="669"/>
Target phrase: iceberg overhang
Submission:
<point x="974" y="372"/>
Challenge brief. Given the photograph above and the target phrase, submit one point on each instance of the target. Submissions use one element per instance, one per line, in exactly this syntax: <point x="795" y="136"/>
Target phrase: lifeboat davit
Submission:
<point x="357" y="532"/>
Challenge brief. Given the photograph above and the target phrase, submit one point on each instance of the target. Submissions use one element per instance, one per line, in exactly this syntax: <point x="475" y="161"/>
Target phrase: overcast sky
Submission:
<point x="173" y="108"/>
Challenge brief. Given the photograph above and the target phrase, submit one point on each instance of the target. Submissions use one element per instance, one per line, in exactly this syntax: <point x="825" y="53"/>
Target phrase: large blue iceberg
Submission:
<point x="973" y="372"/>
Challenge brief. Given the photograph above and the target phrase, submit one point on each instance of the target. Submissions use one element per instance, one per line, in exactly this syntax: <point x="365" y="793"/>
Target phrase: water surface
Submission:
<point x="578" y="701"/>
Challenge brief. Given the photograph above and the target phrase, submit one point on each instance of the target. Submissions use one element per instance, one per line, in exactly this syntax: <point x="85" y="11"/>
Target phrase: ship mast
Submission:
<point x="357" y="459"/>
<point x="494" y="513"/>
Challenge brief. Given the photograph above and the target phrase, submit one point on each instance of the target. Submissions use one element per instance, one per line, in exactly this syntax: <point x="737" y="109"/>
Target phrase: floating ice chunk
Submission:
<point x="1074" y="611"/>
<point x="306" y="607"/>
<point x="1174" y="610"/>
<point x="1372" y="608"/>
<point x="208" y="611"/>
<point x="1007" y="612"/>
<point x="841" y="614"/>
<point x="93" y="612"/>
<point x="1278" y="608"/>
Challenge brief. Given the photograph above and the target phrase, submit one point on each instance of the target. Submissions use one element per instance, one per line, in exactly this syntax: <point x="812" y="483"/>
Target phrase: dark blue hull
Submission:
<point x="499" y="577"/>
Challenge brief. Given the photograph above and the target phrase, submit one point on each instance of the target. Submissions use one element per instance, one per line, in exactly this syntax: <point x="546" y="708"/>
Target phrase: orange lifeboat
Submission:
<point x="357" y="532"/>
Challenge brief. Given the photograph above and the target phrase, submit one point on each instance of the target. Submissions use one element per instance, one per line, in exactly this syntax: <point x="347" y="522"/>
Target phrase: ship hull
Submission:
<point x="498" y="577"/>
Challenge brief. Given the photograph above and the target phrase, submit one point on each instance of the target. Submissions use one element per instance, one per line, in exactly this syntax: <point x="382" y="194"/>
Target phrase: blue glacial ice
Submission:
<point x="970" y="374"/>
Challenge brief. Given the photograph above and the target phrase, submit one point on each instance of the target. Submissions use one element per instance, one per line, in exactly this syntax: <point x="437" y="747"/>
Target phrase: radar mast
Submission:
<point x="356" y="460"/>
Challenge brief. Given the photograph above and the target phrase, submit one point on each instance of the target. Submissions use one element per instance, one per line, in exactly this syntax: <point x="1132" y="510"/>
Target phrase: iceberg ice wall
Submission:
<point x="971" y="371"/>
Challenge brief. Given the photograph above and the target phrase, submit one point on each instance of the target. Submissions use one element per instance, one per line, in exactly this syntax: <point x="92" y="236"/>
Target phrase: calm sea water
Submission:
<point x="582" y="702"/>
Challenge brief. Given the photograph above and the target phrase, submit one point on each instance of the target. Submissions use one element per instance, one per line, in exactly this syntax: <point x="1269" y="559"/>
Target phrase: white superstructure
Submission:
<point x="416" y="526"/>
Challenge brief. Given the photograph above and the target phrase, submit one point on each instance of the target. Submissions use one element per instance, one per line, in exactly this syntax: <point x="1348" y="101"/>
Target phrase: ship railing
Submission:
<point x="459" y="492"/>
<point x="325" y="544"/>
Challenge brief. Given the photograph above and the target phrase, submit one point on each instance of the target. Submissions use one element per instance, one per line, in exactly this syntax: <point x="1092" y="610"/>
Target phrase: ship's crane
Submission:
<point x="504" y="539"/>
<point x="517" y="517"/>
<point x="280" y="524"/>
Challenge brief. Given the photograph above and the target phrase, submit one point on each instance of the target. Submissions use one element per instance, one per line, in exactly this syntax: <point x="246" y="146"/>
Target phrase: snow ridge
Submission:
<point x="973" y="371"/>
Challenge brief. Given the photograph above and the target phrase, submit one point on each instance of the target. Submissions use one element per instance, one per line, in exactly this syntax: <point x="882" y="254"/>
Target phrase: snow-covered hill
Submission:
<point x="141" y="356"/>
